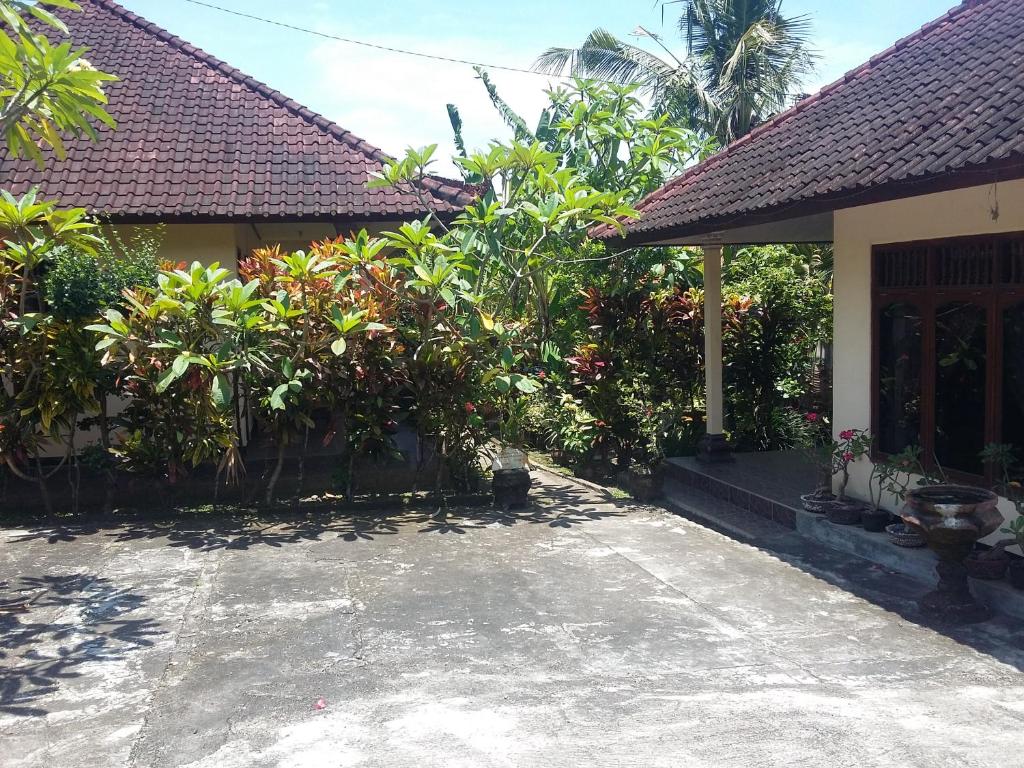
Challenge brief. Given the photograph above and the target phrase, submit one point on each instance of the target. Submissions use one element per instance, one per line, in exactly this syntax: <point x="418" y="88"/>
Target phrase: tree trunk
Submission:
<point x="301" y="478"/>
<point x="110" y="474"/>
<point x="44" y="491"/>
<point x="272" y="483"/>
<point x="74" y="470"/>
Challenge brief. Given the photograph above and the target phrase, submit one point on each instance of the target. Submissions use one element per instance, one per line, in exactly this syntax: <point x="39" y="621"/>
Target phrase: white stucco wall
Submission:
<point x="947" y="214"/>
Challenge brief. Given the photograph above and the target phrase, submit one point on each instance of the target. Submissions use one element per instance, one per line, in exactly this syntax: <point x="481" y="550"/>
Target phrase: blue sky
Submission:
<point x="394" y="101"/>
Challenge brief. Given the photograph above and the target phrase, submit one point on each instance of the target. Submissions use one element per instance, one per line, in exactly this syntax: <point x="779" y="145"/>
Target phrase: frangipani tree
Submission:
<point x="46" y="90"/>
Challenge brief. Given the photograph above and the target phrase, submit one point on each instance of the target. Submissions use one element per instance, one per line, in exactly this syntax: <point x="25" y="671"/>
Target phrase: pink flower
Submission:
<point x="470" y="408"/>
<point x="846" y="435"/>
<point x="320" y="704"/>
<point x="847" y="456"/>
<point x="812" y="417"/>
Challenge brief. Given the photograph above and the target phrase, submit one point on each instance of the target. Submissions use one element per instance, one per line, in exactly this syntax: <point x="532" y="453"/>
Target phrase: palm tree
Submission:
<point x="743" y="62"/>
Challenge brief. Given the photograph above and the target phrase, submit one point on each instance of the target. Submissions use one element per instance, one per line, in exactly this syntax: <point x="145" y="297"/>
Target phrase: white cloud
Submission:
<point x="394" y="101"/>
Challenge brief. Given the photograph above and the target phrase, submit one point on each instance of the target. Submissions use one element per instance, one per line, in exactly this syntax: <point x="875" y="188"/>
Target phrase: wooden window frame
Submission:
<point x="994" y="298"/>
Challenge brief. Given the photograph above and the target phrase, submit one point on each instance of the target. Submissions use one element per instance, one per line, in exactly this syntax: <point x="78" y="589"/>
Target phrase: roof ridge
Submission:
<point x="954" y="12"/>
<point x="450" y="189"/>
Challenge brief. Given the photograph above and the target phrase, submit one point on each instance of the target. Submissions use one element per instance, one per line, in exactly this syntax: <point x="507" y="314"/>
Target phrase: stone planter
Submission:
<point x="642" y="486"/>
<point x="509" y="458"/>
<point x="952" y="518"/>
<point x="875" y="520"/>
<point x="844" y="513"/>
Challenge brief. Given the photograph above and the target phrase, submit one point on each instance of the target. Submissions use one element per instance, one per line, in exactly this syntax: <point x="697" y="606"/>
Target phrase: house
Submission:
<point x="912" y="165"/>
<point x="225" y="162"/>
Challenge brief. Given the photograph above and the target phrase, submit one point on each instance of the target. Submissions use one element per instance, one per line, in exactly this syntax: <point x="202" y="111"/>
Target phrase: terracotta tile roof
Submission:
<point x="197" y="139"/>
<point x="942" y="108"/>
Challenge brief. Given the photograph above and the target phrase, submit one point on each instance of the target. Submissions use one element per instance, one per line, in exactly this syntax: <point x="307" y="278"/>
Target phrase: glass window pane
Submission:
<point x="1013" y="377"/>
<point x="960" y="337"/>
<point x="899" y="377"/>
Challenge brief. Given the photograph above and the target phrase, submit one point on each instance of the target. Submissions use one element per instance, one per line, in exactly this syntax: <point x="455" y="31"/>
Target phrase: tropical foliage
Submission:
<point x="46" y="90"/>
<point x="505" y="322"/>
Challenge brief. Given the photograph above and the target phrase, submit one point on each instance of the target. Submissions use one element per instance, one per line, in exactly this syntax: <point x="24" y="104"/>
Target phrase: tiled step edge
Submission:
<point x="919" y="564"/>
<point x="718" y="514"/>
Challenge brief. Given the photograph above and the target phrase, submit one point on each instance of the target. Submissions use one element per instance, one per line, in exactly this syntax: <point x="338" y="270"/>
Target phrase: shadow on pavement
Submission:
<point x="562" y="506"/>
<point x="50" y="627"/>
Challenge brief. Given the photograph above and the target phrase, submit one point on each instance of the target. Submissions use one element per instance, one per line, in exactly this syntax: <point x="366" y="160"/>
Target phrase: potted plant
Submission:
<point x="510" y="466"/>
<point x="1003" y="459"/>
<point x="817" y="447"/>
<point x="991" y="563"/>
<point x="511" y="480"/>
<point x="906" y="464"/>
<point x="890" y="477"/>
<point x="1016" y="564"/>
<point x="851" y="446"/>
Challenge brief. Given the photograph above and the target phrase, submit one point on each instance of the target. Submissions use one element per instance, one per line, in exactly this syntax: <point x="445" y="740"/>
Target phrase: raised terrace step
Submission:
<point x="757" y="499"/>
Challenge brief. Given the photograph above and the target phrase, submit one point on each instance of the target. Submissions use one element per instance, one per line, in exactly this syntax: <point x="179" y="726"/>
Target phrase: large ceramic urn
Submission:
<point x="952" y="518"/>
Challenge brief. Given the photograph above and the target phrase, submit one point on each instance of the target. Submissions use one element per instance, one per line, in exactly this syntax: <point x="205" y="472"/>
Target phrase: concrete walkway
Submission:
<point x="583" y="633"/>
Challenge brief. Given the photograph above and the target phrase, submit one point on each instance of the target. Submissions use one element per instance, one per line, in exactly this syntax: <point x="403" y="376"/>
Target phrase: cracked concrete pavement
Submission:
<point x="581" y="633"/>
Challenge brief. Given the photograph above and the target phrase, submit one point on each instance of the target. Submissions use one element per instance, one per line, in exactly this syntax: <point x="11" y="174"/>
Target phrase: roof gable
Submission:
<point x="943" y="107"/>
<point x="198" y="139"/>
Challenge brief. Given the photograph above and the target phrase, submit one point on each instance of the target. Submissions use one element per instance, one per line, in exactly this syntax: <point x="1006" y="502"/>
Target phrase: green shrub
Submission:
<point x="79" y="284"/>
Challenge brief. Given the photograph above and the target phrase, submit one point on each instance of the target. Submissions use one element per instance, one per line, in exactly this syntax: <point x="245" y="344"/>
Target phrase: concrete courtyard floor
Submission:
<point x="583" y="632"/>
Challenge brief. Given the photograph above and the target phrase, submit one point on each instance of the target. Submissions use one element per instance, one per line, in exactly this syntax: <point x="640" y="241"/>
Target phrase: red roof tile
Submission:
<point x="942" y="108"/>
<point x="199" y="140"/>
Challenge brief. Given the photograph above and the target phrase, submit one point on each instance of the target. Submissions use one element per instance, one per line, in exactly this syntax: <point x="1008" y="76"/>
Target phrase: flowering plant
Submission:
<point x="851" y="445"/>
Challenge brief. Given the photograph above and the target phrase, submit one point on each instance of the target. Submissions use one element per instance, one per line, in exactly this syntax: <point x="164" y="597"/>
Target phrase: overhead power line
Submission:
<point x="375" y="46"/>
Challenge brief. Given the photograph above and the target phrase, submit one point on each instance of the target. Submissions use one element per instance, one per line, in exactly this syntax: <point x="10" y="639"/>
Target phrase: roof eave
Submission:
<point x="1008" y="169"/>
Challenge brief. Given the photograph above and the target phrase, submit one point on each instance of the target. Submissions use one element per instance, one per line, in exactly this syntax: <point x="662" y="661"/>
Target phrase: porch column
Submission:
<point x="713" y="447"/>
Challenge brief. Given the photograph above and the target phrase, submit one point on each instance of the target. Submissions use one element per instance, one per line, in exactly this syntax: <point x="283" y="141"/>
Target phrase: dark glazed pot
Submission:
<point x="952" y="518"/>
<point x="1016" y="572"/>
<point x="875" y="520"/>
<point x="991" y="568"/>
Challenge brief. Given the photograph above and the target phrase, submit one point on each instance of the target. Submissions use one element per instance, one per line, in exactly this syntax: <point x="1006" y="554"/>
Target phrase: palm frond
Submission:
<point x="605" y="57"/>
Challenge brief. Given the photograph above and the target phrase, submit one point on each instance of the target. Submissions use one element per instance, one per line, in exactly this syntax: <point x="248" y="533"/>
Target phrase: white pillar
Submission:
<point x="713" y="447"/>
<point x="713" y="337"/>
